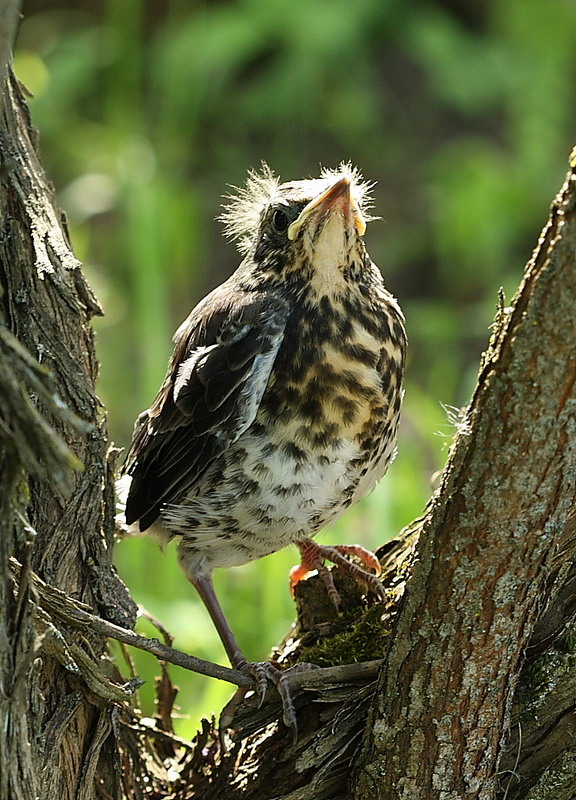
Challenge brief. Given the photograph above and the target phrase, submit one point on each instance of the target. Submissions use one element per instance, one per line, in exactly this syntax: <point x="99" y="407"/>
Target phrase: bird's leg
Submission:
<point x="313" y="556"/>
<point x="205" y="588"/>
<point x="263" y="672"/>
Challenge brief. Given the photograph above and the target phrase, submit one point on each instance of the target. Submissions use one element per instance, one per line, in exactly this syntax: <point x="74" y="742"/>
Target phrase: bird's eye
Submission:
<point x="280" y="221"/>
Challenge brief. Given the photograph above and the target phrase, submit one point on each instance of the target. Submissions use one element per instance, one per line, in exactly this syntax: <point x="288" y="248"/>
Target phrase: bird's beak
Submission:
<point x="338" y="193"/>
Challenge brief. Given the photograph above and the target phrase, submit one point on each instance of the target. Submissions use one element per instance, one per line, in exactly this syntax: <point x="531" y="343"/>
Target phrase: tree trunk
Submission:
<point x="492" y="551"/>
<point x="465" y="686"/>
<point x="56" y="495"/>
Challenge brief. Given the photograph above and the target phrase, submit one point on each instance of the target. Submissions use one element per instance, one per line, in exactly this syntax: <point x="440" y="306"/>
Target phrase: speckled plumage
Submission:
<point x="280" y="406"/>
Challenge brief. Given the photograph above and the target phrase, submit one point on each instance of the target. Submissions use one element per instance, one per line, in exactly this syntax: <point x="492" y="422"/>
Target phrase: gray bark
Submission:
<point x="56" y="498"/>
<point x="487" y="561"/>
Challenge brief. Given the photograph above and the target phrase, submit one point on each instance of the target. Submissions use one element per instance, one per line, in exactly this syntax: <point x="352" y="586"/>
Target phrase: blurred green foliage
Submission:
<point x="462" y="112"/>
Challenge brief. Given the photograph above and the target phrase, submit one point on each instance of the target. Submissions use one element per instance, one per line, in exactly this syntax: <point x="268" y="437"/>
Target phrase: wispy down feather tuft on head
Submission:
<point x="242" y="211"/>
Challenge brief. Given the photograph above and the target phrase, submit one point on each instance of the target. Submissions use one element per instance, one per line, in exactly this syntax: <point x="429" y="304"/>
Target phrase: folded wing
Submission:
<point x="215" y="381"/>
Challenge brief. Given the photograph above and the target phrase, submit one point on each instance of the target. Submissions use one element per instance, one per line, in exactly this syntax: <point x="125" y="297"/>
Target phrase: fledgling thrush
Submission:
<point x="280" y="406"/>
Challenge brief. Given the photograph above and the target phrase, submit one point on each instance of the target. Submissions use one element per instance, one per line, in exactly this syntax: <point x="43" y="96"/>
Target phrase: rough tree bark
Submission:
<point x="492" y="552"/>
<point x="465" y="686"/>
<point x="56" y="498"/>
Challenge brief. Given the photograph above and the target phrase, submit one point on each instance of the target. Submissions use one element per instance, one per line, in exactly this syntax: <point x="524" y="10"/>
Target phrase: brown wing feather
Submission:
<point x="216" y="377"/>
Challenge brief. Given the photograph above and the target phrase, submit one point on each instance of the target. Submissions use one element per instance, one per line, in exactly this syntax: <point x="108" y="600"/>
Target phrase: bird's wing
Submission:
<point x="216" y="378"/>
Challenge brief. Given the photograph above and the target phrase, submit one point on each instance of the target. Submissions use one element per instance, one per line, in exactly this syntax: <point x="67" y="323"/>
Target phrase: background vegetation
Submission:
<point x="462" y="112"/>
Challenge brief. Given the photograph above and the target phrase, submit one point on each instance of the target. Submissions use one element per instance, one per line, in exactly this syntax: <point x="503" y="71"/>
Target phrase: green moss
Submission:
<point x="364" y="640"/>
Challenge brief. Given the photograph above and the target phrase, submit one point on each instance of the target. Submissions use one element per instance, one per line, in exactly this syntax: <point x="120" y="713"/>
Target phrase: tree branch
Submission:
<point x="77" y="615"/>
<point x="56" y="510"/>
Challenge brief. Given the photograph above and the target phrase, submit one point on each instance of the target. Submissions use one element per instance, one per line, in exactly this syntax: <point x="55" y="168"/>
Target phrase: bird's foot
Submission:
<point x="267" y="676"/>
<point x="313" y="557"/>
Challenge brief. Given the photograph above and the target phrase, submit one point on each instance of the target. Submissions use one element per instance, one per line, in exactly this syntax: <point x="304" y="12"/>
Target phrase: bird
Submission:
<point x="281" y="401"/>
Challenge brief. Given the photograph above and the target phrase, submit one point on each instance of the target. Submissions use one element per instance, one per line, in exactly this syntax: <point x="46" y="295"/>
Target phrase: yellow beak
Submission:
<point x="338" y="193"/>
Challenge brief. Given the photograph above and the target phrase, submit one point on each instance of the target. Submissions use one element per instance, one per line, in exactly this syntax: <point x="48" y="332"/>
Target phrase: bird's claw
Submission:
<point x="314" y="555"/>
<point x="328" y="581"/>
<point x="266" y="674"/>
<point x="288" y="708"/>
<point x="263" y="674"/>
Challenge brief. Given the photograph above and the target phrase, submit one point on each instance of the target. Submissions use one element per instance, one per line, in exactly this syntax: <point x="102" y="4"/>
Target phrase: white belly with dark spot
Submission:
<point x="267" y="501"/>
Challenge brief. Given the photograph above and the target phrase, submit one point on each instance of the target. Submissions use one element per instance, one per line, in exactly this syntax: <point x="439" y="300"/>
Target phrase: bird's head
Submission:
<point x="314" y="225"/>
